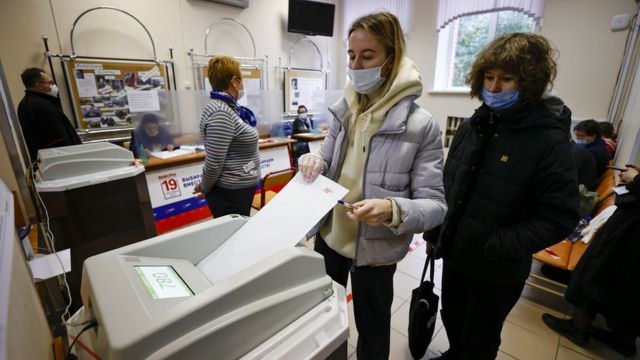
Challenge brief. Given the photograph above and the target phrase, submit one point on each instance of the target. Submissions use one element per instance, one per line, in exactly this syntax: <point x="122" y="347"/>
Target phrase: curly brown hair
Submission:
<point x="530" y="57"/>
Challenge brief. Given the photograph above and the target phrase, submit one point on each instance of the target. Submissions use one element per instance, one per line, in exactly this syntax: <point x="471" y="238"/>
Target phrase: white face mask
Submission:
<point x="240" y="95"/>
<point x="367" y="81"/>
<point x="53" y="91"/>
<point x="302" y="116"/>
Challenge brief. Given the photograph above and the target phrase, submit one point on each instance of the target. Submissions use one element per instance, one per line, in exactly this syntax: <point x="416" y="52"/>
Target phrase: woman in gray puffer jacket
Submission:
<point x="387" y="151"/>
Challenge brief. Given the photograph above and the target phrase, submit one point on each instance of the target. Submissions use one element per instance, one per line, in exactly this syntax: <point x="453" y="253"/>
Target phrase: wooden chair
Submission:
<point x="271" y="180"/>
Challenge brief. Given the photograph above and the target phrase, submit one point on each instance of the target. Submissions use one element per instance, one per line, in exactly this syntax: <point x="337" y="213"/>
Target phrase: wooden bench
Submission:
<point x="566" y="254"/>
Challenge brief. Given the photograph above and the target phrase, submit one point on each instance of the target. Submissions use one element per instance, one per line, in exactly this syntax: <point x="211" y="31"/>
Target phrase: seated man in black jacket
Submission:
<point x="607" y="278"/>
<point x="43" y="123"/>
<point x="302" y="124"/>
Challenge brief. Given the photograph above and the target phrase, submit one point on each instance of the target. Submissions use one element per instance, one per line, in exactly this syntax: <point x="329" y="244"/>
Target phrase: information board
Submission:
<point x="300" y="87"/>
<point x="105" y="93"/>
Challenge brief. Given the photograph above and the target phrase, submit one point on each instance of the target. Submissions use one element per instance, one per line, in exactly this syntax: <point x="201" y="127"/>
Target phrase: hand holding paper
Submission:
<point x="310" y="165"/>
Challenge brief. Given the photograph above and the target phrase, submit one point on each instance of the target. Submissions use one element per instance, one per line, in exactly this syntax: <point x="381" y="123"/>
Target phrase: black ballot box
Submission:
<point x="95" y="200"/>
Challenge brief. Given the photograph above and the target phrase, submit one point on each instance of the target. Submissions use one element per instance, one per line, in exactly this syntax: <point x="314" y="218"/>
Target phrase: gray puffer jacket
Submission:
<point x="405" y="163"/>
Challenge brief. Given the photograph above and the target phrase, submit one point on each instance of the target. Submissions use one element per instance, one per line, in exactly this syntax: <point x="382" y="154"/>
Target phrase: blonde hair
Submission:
<point x="385" y="28"/>
<point x="220" y="71"/>
<point x="530" y="57"/>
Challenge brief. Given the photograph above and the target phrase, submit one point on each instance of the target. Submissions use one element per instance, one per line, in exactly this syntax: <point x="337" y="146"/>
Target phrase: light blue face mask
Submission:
<point x="367" y="81"/>
<point x="500" y="100"/>
<point x="581" y="141"/>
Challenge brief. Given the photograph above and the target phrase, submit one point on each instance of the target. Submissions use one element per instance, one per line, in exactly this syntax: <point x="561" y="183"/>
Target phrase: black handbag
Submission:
<point x="422" y="312"/>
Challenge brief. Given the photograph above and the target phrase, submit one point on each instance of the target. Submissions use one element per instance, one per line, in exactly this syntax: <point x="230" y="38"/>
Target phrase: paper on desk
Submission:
<point x="621" y="189"/>
<point x="171" y="154"/>
<point x="48" y="266"/>
<point x="282" y="223"/>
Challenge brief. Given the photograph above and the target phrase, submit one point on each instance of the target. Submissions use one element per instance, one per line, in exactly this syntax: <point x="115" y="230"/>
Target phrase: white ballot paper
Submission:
<point x="282" y="223"/>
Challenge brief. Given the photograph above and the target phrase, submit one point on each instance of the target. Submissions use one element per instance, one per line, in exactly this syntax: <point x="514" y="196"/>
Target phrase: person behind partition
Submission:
<point x="387" y="151"/>
<point x="232" y="164"/>
<point x="606" y="280"/>
<point x="609" y="137"/>
<point x="151" y="136"/>
<point x="303" y="122"/>
<point x="511" y="190"/>
<point x="42" y="121"/>
<point x="588" y="133"/>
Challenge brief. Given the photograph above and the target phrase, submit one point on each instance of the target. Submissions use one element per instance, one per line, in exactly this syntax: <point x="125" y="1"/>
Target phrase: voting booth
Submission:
<point x="96" y="201"/>
<point x="152" y="300"/>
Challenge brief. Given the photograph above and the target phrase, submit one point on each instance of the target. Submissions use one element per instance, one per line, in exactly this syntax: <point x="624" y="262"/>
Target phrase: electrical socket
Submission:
<point x="620" y="22"/>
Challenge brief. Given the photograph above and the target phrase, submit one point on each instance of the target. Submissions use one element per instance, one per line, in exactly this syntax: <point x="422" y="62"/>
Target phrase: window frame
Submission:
<point x="446" y="48"/>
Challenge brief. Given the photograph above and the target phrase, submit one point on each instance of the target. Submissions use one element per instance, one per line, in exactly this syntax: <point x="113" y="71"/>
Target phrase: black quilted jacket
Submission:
<point x="511" y="189"/>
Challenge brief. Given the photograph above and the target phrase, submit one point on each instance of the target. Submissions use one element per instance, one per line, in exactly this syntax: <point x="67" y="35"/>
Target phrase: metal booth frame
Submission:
<point x="115" y="134"/>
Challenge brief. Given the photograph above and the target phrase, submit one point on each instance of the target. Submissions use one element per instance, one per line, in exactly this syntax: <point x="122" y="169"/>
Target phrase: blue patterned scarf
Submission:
<point x="245" y="113"/>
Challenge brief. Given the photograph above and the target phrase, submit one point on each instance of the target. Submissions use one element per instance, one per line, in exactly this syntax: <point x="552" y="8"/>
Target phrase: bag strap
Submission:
<point x="430" y="261"/>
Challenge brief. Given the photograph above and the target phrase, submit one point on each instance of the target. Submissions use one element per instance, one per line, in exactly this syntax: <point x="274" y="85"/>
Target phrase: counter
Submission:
<point x="171" y="183"/>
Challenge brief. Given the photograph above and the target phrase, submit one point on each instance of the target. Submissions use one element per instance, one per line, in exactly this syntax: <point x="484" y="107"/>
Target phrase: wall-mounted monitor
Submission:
<point x="311" y="17"/>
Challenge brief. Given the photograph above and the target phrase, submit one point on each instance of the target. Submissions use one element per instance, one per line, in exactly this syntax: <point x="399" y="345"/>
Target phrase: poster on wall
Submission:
<point x="105" y="94"/>
<point x="251" y="80"/>
<point x="300" y="87"/>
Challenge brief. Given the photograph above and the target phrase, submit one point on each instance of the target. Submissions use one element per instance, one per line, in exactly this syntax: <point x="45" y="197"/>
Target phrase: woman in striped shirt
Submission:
<point x="232" y="165"/>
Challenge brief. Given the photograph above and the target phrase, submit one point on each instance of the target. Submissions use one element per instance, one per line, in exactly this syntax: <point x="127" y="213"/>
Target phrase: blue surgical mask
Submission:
<point x="367" y="81"/>
<point x="500" y="100"/>
<point x="581" y="141"/>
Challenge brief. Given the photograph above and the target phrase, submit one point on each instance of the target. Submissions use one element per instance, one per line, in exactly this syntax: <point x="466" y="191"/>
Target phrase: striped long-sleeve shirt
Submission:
<point x="232" y="158"/>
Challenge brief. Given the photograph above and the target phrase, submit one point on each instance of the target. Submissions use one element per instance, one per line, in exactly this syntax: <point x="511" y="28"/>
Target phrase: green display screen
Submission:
<point x="162" y="282"/>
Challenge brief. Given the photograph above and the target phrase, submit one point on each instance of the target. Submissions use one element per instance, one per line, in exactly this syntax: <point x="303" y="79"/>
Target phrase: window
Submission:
<point x="461" y="40"/>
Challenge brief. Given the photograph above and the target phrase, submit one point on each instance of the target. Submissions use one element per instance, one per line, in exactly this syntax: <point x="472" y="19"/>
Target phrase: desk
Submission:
<point x="171" y="183"/>
<point x="314" y="140"/>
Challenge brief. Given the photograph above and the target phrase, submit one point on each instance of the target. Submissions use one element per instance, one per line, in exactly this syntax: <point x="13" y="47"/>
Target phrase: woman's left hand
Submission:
<point x="198" y="192"/>
<point x="372" y="211"/>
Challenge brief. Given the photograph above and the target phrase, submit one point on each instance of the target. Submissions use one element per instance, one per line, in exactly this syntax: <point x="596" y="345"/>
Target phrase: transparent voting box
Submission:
<point x="96" y="201"/>
<point x="151" y="301"/>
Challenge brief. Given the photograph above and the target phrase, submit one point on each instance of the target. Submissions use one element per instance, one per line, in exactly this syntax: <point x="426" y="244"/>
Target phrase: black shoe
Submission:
<point x="566" y="329"/>
<point x="447" y="356"/>
<point x="625" y="346"/>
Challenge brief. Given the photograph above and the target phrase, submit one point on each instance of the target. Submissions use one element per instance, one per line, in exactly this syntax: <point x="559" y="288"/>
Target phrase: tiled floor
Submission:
<point x="524" y="335"/>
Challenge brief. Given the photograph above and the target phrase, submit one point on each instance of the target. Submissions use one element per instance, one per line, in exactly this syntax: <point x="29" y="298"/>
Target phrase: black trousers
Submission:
<point x="223" y="201"/>
<point x="372" y="290"/>
<point x="473" y="312"/>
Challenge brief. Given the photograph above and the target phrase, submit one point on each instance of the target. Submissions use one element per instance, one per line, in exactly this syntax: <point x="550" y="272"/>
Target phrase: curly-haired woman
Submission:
<point x="511" y="190"/>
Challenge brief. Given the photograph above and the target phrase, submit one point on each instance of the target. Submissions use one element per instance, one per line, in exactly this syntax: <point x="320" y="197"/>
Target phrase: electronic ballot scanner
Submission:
<point x="151" y="300"/>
